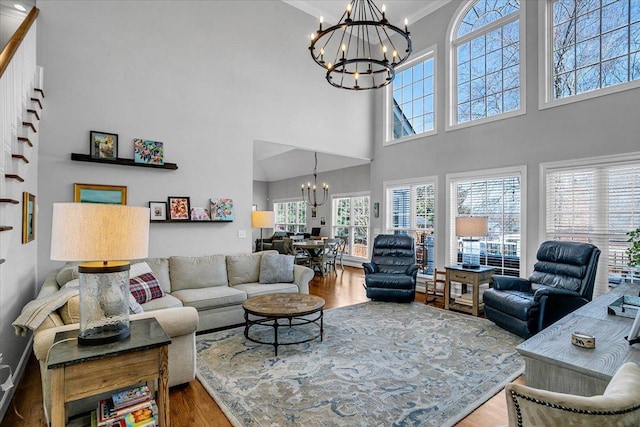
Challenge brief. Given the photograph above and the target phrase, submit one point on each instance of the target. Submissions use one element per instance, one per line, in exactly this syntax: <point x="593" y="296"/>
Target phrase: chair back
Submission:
<point x="393" y="253"/>
<point x="567" y="265"/>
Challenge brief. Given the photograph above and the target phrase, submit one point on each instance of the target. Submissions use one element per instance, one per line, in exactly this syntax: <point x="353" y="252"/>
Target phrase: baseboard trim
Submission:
<point x="17" y="376"/>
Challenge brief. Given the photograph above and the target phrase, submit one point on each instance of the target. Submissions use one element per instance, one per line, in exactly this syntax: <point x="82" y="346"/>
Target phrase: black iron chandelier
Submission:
<point x="311" y="198"/>
<point x="358" y="52"/>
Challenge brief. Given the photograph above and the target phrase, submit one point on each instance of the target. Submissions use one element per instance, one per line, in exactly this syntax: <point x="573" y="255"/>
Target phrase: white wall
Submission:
<point x="600" y="126"/>
<point x="205" y="78"/>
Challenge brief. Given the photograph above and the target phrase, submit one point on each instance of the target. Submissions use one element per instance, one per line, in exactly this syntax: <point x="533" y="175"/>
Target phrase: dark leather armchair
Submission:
<point x="391" y="274"/>
<point x="562" y="281"/>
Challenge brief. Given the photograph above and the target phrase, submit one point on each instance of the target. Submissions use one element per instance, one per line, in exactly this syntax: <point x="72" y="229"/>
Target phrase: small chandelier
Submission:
<point x="358" y="52"/>
<point x="311" y="197"/>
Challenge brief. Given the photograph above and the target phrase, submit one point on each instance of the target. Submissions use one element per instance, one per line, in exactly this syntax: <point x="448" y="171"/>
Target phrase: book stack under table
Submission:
<point x="133" y="407"/>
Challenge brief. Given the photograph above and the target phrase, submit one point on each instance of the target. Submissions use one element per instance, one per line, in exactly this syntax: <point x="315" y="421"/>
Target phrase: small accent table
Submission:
<point x="82" y="371"/>
<point x="466" y="276"/>
<point x="271" y="307"/>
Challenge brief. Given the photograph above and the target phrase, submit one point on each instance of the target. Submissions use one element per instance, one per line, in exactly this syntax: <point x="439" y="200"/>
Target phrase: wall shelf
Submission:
<point x="12" y="201"/>
<point x="37" y="101"/>
<point x="34" y="112"/>
<point x="119" y="161"/>
<point x="189" y="222"/>
<point x="5" y="228"/>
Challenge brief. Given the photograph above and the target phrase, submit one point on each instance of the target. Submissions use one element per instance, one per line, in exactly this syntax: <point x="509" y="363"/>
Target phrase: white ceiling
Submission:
<point x="273" y="161"/>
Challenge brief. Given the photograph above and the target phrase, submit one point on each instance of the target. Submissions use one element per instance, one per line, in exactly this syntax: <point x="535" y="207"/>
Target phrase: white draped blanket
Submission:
<point x="36" y="311"/>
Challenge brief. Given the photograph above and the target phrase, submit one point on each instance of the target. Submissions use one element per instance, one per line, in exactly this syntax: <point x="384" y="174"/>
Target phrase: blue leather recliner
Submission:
<point x="562" y="281"/>
<point x="391" y="274"/>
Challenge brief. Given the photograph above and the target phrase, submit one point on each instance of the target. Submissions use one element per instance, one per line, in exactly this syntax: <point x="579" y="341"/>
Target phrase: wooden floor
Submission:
<point x="191" y="405"/>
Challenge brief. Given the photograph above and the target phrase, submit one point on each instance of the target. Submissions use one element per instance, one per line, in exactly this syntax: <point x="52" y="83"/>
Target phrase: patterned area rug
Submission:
<point x="380" y="364"/>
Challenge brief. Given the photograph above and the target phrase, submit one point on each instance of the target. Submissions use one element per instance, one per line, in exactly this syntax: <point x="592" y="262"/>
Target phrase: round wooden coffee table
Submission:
<point x="268" y="309"/>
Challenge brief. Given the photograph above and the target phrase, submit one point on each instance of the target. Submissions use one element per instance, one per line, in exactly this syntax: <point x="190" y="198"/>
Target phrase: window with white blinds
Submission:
<point x="498" y="195"/>
<point x="596" y="202"/>
<point x="291" y="216"/>
<point x="411" y="211"/>
<point x="351" y="222"/>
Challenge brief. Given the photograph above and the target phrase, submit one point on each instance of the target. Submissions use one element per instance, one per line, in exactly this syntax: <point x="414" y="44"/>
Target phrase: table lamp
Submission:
<point x="262" y="219"/>
<point x="102" y="235"/>
<point x="469" y="227"/>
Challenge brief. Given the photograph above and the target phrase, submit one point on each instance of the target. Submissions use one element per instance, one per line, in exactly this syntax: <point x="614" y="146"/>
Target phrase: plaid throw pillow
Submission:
<point x="145" y="287"/>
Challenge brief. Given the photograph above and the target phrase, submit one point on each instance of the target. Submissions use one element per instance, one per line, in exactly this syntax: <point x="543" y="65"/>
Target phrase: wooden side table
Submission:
<point x="466" y="276"/>
<point x="82" y="371"/>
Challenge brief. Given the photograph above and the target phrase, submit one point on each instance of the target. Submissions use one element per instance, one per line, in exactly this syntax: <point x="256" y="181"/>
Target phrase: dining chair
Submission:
<point x="335" y="254"/>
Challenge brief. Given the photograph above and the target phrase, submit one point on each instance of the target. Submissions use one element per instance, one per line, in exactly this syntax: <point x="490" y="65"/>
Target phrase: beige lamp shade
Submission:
<point x="471" y="226"/>
<point x="99" y="232"/>
<point x="262" y="219"/>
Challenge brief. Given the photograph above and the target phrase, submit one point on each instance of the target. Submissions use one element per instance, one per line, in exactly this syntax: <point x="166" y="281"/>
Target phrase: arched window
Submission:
<point x="593" y="48"/>
<point x="486" y="61"/>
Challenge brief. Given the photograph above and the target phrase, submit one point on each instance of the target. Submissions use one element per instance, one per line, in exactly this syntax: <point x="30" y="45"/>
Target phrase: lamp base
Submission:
<point x="104" y="335"/>
<point x="104" y="302"/>
<point x="471" y="266"/>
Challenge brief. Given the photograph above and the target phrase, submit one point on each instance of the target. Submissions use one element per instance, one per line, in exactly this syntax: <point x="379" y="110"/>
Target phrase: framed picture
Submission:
<point x="221" y="209"/>
<point x="200" y="214"/>
<point x="98" y="193"/>
<point x="148" y="152"/>
<point x="158" y="211"/>
<point x="179" y="208"/>
<point x="314" y="212"/>
<point x="103" y="145"/>
<point x="28" y="217"/>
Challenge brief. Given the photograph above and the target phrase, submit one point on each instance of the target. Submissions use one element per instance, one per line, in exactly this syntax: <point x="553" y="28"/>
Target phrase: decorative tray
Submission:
<point x="625" y="306"/>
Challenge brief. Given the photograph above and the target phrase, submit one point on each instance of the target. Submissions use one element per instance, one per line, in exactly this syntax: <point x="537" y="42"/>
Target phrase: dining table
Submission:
<point x="314" y="249"/>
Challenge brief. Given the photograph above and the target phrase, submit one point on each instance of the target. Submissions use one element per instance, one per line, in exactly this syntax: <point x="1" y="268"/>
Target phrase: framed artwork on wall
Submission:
<point x="148" y="152"/>
<point x="158" y="211"/>
<point x="179" y="208"/>
<point x="200" y="214"/>
<point x="98" y="193"/>
<point x="103" y="145"/>
<point x="28" y="217"/>
<point x="221" y="210"/>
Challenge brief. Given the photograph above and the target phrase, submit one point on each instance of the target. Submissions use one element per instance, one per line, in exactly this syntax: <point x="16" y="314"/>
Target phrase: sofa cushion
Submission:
<point x="145" y="288"/>
<point x="212" y="297"/>
<point x="160" y="268"/>
<point x="70" y="311"/>
<point x="67" y="273"/>
<point x="276" y="268"/>
<point x="243" y="268"/>
<point x="197" y="272"/>
<point x="167" y="301"/>
<point x="255" y="289"/>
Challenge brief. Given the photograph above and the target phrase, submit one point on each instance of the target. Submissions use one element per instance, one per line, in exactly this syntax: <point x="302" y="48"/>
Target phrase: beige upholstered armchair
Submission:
<point x="618" y="406"/>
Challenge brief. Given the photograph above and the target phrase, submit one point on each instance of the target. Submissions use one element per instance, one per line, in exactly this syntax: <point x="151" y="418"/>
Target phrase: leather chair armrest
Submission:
<point x="509" y="283"/>
<point x="555" y="303"/>
<point x="369" y="268"/>
<point x="412" y="270"/>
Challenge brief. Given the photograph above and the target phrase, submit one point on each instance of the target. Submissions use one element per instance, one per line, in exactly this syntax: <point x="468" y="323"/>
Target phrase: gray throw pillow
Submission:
<point x="276" y="268"/>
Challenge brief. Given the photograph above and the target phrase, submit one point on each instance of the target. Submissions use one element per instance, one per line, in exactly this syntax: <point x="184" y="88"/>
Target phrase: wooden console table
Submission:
<point x="83" y="371"/>
<point x="466" y="276"/>
<point x="553" y="363"/>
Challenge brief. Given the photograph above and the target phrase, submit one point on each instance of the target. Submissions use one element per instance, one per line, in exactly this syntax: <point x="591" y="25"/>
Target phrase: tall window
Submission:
<point x="411" y="211"/>
<point x="412" y="106"/>
<point x="487" y="62"/>
<point x="596" y="201"/>
<point x="351" y="222"/>
<point x="594" y="44"/>
<point x="291" y="216"/>
<point x="498" y="196"/>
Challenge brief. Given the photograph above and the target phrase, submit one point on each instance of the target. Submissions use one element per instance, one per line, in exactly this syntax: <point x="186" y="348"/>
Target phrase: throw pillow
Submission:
<point x="276" y="268"/>
<point x="145" y="287"/>
<point x="139" y="269"/>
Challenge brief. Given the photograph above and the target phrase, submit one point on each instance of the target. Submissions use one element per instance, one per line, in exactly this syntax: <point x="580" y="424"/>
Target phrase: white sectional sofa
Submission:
<point x="200" y="293"/>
